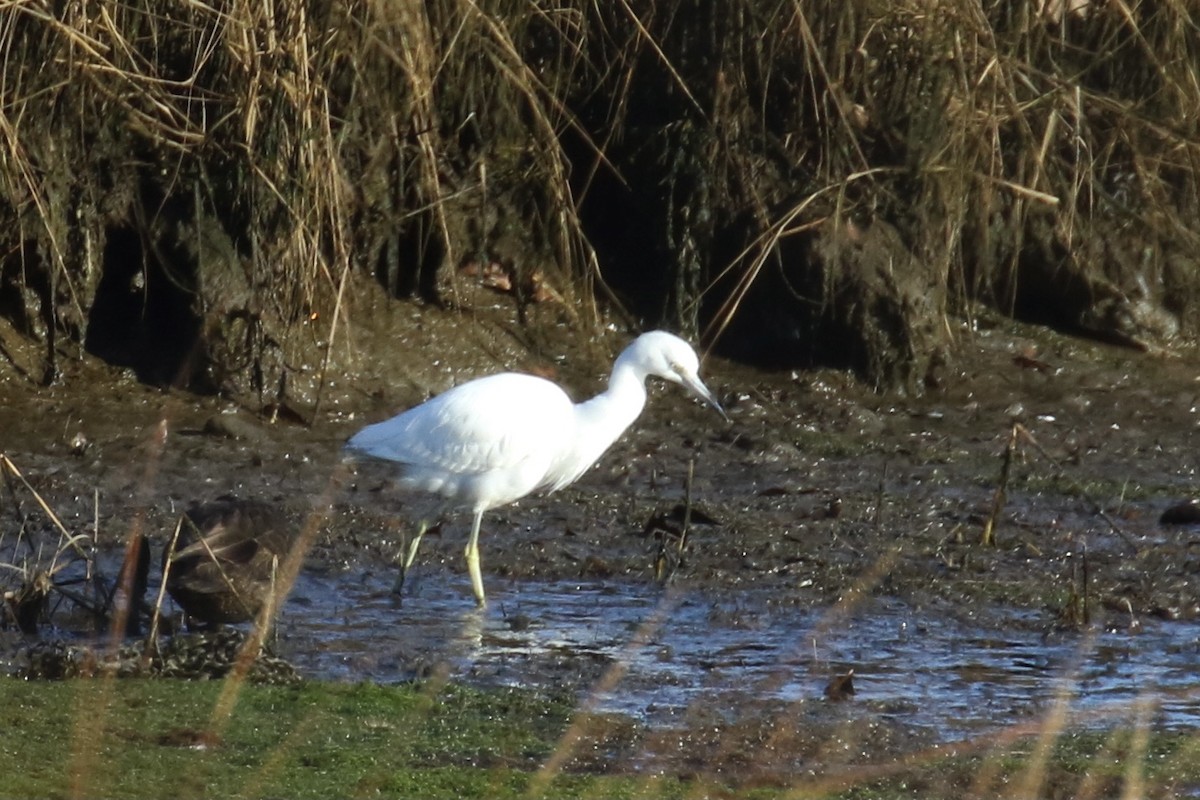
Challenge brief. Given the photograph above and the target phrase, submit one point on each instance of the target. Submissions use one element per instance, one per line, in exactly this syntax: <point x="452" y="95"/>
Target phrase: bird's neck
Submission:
<point x="608" y="414"/>
<point x="601" y="420"/>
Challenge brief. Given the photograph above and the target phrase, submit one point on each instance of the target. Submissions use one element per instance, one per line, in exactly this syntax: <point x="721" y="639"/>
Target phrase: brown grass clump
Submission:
<point x="193" y="191"/>
<point x="188" y="191"/>
<point x="1038" y="163"/>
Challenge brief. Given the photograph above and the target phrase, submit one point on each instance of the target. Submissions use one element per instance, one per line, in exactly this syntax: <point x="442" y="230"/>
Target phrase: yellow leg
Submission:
<point x="472" y="555"/>
<point x="408" y="561"/>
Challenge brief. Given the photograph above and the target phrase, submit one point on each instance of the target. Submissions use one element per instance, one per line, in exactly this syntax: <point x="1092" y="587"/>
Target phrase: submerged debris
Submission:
<point x="26" y="605"/>
<point x="1185" y="513"/>
<point x="840" y="687"/>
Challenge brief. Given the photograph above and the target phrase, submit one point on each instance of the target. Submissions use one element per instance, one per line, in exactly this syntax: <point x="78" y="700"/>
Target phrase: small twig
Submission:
<point x="879" y="498"/>
<point x="66" y="538"/>
<point x="229" y="584"/>
<point x="687" y="509"/>
<point x="988" y="538"/>
<point x="72" y="540"/>
<point x="80" y="599"/>
<point x="332" y="339"/>
<point x="1084" y="579"/>
<point x="152" y="635"/>
<point x="664" y="568"/>
<point x="660" y="558"/>
<point x="91" y="576"/>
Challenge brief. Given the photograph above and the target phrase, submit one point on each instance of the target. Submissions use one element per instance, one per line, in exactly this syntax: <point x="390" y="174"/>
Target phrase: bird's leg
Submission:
<point x="408" y="560"/>
<point x="472" y="555"/>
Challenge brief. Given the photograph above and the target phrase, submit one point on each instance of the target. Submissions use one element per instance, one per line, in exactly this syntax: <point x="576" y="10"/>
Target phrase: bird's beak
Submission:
<point x="698" y="388"/>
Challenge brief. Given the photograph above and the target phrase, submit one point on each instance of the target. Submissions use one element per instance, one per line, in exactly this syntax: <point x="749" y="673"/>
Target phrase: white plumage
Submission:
<point x="490" y="442"/>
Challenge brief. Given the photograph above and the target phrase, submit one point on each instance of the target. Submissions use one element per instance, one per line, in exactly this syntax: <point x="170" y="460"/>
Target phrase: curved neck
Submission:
<point x="608" y="414"/>
<point x="600" y="421"/>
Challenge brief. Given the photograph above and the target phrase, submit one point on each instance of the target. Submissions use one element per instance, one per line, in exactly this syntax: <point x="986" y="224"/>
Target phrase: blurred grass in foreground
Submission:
<point x="157" y="738"/>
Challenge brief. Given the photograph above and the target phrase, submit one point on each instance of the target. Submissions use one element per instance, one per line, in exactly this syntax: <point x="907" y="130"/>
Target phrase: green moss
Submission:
<point x="135" y="738"/>
<point x="145" y="738"/>
<point x="1098" y="764"/>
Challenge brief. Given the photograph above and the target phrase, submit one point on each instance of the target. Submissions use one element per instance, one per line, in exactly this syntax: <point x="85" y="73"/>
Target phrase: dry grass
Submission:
<point x="308" y="143"/>
<point x="1021" y="151"/>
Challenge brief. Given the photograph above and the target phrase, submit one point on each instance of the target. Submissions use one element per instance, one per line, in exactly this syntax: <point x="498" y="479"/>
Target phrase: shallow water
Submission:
<point x="660" y="655"/>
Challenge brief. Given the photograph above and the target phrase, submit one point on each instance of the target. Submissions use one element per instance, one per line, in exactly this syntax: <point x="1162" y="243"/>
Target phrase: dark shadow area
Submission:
<point x="25" y="292"/>
<point x="143" y="316"/>
<point x="409" y="258"/>
<point x="621" y="226"/>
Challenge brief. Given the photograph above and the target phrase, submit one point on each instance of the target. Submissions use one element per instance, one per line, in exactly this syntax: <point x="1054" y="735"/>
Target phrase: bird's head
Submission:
<point x="667" y="356"/>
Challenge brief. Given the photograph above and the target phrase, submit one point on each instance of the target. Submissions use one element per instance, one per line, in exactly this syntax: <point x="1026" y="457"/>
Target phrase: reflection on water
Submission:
<point x="655" y="654"/>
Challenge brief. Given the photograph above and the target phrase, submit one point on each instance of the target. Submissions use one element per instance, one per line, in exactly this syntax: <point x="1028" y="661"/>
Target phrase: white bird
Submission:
<point x="493" y="440"/>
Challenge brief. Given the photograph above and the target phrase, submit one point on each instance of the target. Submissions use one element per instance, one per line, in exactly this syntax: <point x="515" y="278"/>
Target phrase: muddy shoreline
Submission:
<point x="817" y="497"/>
<point x="815" y="487"/>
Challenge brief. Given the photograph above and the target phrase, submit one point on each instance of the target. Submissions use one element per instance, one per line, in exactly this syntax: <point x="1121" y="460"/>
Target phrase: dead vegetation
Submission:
<point x="199" y="193"/>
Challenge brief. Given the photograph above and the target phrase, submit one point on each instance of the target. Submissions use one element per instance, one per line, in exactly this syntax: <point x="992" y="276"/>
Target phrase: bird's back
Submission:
<point x="225" y="561"/>
<point x="485" y="443"/>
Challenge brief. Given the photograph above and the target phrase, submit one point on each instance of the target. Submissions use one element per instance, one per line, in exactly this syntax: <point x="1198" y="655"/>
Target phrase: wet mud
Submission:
<point x="832" y="532"/>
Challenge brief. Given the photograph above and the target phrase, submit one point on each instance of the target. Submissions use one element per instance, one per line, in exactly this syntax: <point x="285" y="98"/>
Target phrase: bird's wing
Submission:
<point x="492" y="423"/>
<point x="223" y="543"/>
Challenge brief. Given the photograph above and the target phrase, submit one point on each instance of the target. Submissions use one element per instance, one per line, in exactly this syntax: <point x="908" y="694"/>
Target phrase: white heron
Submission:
<point x="493" y="440"/>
